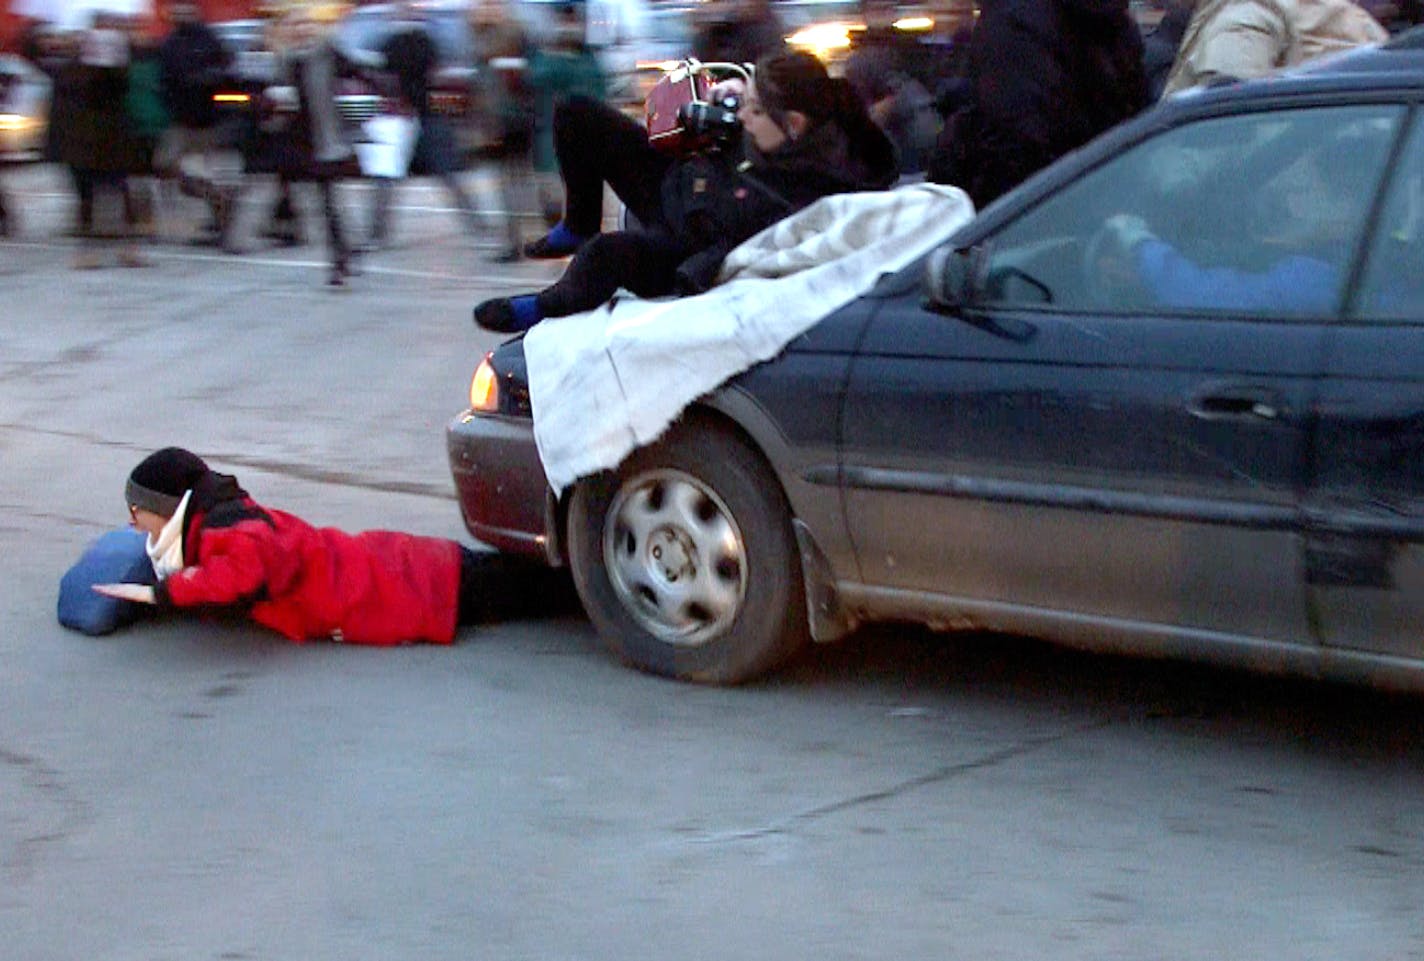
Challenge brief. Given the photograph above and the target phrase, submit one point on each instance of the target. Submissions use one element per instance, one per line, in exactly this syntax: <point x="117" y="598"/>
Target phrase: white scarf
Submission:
<point x="166" y="551"/>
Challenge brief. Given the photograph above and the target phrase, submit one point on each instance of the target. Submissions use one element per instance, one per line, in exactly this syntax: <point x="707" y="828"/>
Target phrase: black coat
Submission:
<point x="739" y="40"/>
<point x="89" y="128"/>
<point x="711" y="203"/>
<point x="1047" y="76"/>
<point x="194" y="64"/>
<point x="411" y="56"/>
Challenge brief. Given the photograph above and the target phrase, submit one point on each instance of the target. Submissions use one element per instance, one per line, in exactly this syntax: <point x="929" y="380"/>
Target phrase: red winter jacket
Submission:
<point x="378" y="587"/>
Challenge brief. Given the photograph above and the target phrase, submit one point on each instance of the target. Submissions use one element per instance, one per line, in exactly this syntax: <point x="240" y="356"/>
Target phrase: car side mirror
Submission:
<point x="949" y="278"/>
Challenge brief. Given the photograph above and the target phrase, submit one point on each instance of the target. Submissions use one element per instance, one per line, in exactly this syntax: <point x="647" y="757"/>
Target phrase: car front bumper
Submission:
<point x="504" y="496"/>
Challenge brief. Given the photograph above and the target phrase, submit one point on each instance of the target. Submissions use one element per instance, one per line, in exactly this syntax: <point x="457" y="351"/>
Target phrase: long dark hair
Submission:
<point x="792" y="80"/>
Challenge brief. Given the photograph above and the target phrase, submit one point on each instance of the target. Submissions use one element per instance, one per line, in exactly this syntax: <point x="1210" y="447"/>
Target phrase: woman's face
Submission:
<point x="147" y="521"/>
<point x="763" y="131"/>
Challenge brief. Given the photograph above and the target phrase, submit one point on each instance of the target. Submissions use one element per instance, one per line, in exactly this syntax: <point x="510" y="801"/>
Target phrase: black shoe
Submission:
<point x="497" y="315"/>
<point x="510" y="255"/>
<point x="339" y="272"/>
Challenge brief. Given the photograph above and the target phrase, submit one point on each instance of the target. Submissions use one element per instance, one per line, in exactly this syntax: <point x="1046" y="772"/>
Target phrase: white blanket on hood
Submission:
<point x="608" y="381"/>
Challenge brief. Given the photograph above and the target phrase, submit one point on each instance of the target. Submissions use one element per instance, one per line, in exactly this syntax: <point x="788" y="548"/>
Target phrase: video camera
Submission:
<point x="681" y="116"/>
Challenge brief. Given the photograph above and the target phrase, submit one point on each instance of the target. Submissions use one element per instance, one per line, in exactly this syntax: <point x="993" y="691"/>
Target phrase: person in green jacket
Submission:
<point x="147" y="115"/>
<point x="565" y="67"/>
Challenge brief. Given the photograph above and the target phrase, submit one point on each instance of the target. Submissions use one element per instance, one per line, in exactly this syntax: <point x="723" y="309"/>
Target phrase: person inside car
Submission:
<point x="1311" y="215"/>
<point x="215" y="549"/>
<point x="803" y="136"/>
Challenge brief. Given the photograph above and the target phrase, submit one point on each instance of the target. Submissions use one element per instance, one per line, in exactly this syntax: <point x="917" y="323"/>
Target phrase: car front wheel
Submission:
<point x="686" y="561"/>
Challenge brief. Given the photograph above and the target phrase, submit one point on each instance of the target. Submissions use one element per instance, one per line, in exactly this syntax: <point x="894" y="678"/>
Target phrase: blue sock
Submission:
<point x="562" y="238"/>
<point x="526" y="310"/>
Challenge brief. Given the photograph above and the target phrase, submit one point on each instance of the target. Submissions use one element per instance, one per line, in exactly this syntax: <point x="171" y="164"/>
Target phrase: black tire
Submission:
<point x="685" y="559"/>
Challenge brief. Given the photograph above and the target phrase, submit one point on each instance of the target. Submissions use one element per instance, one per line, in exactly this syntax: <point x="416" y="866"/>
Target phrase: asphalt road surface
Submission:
<point x="190" y="790"/>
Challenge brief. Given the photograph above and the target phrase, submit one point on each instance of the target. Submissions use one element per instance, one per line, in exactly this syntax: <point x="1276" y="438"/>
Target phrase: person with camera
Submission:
<point x="796" y="135"/>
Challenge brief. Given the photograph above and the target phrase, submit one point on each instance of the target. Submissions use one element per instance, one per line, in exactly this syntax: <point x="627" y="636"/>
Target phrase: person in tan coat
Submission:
<point x="1245" y="39"/>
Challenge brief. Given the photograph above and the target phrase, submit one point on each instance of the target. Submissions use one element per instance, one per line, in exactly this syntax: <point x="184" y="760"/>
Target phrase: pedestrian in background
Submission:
<point x="736" y="31"/>
<point x="96" y="142"/>
<point x="195" y="151"/>
<point x="1046" y="76"/>
<point x="950" y="42"/>
<point x="8" y="219"/>
<point x="412" y="57"/>
<point x="275" y="149"/>
<point x="308" y="67"/>
<point x="501" y="53"/>
<point x="147" y="120"/>
<point x="1245" y="39"/>
<point x="562" y="71"/>
<point x="1160" y="45"/>
<point x="893" y="74"/>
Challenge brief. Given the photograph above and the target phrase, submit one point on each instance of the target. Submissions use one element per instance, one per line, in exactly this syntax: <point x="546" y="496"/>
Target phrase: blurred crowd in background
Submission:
<point x="164" y="121"/>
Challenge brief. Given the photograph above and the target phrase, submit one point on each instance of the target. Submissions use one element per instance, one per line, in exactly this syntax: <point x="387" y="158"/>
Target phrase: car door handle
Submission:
<point x="1227" y="403"/>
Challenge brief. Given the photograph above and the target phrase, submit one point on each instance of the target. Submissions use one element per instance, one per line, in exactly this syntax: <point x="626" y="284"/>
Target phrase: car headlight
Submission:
<point x="484" y="388"/>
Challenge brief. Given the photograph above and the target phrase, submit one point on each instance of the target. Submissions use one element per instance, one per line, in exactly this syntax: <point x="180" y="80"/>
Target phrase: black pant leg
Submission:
<point x="381" y="209"/>
<point x="645" y="263"/>
<point x="84" y="188"/>
<point x="335" y="236"/>
<point x="496" y="587"/>
<point x="285" y="209"/>
<point x="595" y="143"/>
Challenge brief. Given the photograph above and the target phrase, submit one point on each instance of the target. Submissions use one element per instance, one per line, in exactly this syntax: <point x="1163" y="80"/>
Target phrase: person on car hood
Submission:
<point x="214" y="548"/>
<point x="804" y="136"/>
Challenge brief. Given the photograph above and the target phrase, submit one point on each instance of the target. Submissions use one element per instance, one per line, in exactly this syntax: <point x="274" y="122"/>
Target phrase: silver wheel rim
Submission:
<point x="675" y="557"/>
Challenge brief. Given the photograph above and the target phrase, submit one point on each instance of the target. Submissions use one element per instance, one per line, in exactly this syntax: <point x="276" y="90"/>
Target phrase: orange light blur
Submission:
<point x="484" y="388"/>
<point x="231" y="98"/>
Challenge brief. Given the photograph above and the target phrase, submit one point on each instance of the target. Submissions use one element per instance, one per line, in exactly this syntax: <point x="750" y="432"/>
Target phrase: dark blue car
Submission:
<point x="1167" y="397"/>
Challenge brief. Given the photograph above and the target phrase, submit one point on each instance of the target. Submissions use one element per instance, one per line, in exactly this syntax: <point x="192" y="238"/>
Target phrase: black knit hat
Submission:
<point x="158" y="483"/>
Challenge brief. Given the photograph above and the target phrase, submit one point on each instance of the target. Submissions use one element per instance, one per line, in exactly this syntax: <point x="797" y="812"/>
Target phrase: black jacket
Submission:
<point x="711" y="202"/>
<point x="738" y="40"/>
<point x="194" y="64"/>
<point x="411" y="56"/>
<point x="1047" y="76"/>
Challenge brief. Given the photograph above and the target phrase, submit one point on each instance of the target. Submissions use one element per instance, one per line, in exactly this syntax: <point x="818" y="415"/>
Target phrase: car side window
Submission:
<point x="1258" y="212"/>
<point x="1392" y="287"/>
